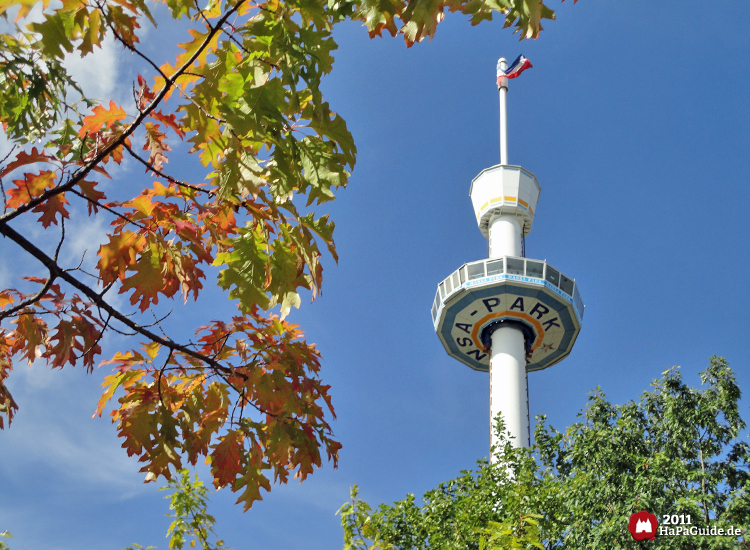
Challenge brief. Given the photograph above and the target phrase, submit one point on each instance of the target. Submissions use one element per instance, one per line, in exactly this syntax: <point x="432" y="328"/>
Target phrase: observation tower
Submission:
<point x="508" y="314"/>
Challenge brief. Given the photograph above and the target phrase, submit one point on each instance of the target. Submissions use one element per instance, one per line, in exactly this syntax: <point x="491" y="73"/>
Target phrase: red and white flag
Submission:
<point x="515" y="69"/>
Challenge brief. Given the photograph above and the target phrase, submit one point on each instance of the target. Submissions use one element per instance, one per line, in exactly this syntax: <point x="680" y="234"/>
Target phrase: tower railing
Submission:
<point x="510" y="268"/>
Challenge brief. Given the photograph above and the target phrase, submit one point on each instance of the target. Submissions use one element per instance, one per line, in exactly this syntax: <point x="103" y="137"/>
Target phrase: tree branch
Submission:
<point x="57" y="272"/>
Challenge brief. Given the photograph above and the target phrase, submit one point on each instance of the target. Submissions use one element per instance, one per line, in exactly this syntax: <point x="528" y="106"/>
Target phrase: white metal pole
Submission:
<point x="503" y="90"/>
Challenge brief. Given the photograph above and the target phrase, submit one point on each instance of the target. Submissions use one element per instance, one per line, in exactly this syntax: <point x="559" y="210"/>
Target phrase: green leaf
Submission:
<point x="247" y="271"/>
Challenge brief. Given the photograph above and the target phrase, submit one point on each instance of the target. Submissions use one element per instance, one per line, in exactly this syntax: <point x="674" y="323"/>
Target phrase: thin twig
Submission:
<point x="105" y="289"/>
<point x="128" y="45"/>
<point x="158" y="321"/>
<point x="108" y="209"/>
<point x="2" y="187"/>
<point x="29" y="301"/>
<point x="98" y="338"/>
<point x="78" y="267"/>
<point x="62" y="238"/>
<point x="167" y="177"/>
<point x="205" y="20"/>
<point x="161" y="374"/>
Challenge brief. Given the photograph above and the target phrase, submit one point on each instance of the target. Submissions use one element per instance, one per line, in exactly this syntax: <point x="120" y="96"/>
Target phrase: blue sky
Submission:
<point x="635" y="120"/>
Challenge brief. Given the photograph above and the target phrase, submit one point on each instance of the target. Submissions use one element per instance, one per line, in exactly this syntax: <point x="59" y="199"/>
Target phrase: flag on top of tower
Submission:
<point x="515" y="69"/>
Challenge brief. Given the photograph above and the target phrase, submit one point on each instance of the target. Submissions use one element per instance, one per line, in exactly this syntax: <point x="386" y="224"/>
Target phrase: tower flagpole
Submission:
<point x="502" y="88"/>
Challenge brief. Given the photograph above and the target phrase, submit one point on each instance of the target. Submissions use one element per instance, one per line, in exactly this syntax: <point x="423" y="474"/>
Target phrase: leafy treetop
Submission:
<point x="677" y="450"/>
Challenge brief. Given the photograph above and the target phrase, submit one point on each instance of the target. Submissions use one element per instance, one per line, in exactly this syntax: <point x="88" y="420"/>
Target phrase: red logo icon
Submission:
<point x="642" y="525"/>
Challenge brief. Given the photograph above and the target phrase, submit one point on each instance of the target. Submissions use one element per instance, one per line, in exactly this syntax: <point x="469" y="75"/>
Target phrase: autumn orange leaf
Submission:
<point x="102" y="117"/>
<point x="146" y="283"/>
<point x="6" y="298"/>
<point x="116" y="256"/>
<point x="113" y="382"/>
<point x="169" y="121"/>
<point x="51" y="208"/>
<point x="32" y="186"/>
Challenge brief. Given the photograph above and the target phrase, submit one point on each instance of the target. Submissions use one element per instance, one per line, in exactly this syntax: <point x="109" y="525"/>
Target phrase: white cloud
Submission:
<point x="97" y="73"/>
<point x="84" y="235"/>
<point x="81" y="451"/>
<point x="319" y="492"/>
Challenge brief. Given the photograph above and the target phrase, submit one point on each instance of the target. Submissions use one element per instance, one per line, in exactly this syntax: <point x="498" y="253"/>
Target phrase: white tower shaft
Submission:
<point x="508" y="381"/>
<point x="505" y="236"/>
<point x="508" y="384"/>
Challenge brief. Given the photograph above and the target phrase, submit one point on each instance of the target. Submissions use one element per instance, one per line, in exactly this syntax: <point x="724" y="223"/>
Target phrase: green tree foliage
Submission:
<point x="360" y="532"/>
<point x="189" y="500"/>
<point x="677" y="450"/>
<point x="510" y="535"/>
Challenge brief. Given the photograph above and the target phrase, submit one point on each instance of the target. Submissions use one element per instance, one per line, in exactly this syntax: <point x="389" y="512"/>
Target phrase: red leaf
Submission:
<point x="62" y="351"/>
<point x="51" y="208"/>
<point x="226" y="461"/>
<point x="170" y="121"/>
<point x="23" y="158"/>
<point x="145" y="95"/>
<point x="88" y="191"/>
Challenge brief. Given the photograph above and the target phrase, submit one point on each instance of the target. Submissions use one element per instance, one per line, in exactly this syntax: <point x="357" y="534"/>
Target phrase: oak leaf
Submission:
<point x="29" y="337"/>
<point x="226" y="458"/>
<point x="31" y="186"/>
<point x="24" y="158"/>
<point x="146" y="282"/>
<point x="120" y="253"/>
<point x="101" y="118"/>
<point x="155" y="145"/>
<point x="51" y="208"/>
